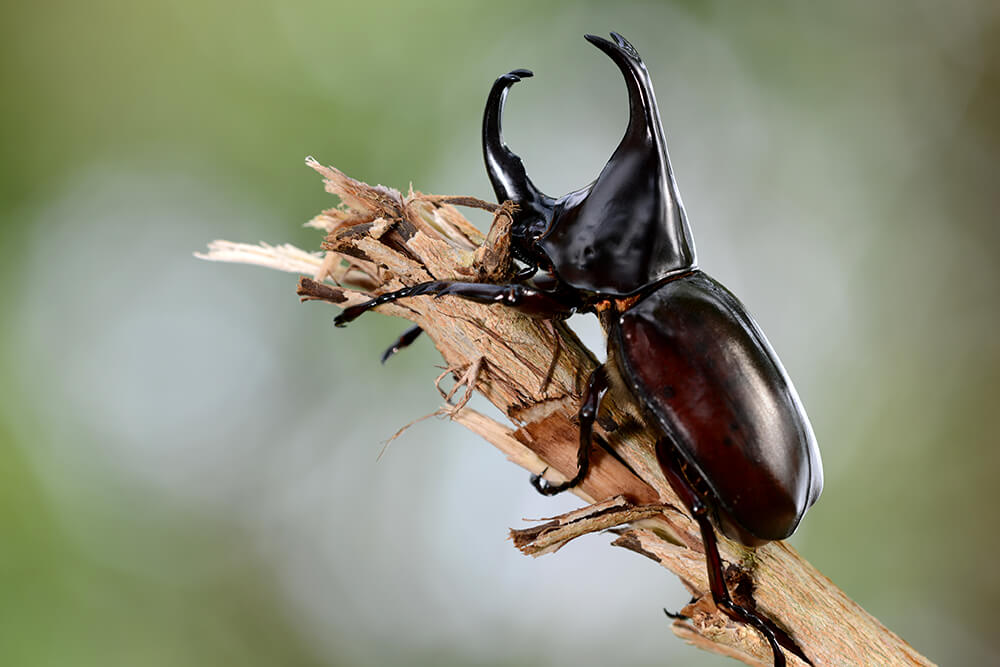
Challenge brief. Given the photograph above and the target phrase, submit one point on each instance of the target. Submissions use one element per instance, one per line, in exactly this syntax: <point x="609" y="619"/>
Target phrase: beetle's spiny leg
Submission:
<point x="352" y="313"/>
<point x="597" y="387"/>
<point x="671" y="464"/>
<point x="527" y="300"/>
<point x="720" y="594"/>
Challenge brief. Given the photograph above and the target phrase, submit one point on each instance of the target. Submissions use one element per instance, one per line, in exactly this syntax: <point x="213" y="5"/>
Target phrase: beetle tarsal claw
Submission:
<point x="537" y="481"/>
<point x="676" y="616"/>
<point x="547" y="488"/>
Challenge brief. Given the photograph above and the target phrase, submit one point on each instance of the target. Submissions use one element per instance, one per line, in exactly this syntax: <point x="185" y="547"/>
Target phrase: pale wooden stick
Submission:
<point x="380" y="240"/>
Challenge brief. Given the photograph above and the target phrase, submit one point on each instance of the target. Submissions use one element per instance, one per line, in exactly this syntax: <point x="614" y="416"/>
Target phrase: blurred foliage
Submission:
<point x="178" y="451"/>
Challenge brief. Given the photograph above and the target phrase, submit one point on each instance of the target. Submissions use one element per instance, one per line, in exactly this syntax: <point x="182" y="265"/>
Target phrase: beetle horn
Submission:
<point x="506" y="171"/>
<point x="638" y="175"/>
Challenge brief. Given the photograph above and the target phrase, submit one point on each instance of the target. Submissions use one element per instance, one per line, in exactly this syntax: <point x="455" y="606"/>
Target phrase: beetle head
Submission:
<point x="622" y="232"/>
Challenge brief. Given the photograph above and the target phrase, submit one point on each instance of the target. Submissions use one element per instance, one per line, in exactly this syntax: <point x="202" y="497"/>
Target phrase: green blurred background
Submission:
<point x="188" y="468"/>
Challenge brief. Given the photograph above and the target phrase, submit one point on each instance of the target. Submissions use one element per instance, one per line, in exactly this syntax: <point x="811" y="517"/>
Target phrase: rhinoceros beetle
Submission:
<point x="733" y="438"/>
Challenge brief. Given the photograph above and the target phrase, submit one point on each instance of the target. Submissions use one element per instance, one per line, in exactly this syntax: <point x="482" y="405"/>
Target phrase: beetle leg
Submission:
<point x="672" y="465"/>
<point x="717" y="584"/>
<point x="597" y="386"/>
<point x="404" y="340"/>
<point x="527" y="300"/>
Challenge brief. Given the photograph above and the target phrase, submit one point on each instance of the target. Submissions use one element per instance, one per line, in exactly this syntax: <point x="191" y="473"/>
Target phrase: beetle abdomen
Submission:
<point x="702" y="368"/>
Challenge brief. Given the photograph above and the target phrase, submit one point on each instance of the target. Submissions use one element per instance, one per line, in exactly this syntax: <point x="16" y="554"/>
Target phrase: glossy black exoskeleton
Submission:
<point x="733" y="439"/>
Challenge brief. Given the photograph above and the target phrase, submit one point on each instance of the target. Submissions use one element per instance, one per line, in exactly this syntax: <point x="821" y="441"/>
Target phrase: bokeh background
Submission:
<point x="188" y="470"/>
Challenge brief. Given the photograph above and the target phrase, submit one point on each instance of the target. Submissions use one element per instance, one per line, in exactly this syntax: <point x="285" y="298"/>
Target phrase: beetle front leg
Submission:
<point x="522" y="298"/>
<point x="590" y="403"/>
<point x="414" y="332"/>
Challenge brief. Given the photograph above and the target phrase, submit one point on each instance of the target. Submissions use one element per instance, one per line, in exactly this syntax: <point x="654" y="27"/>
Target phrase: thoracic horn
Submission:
<point x="638" y="180"/>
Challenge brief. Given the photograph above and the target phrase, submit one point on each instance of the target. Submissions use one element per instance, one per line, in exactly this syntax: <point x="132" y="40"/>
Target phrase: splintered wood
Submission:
<point x="379" y="240"/>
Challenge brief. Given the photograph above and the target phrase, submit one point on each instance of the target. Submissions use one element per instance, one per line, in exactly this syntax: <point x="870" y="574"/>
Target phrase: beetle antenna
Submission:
<point x="506" y="171"/>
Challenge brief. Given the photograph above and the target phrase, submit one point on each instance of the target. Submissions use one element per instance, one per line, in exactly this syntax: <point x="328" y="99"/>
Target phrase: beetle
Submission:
<point x="733" y="439"/>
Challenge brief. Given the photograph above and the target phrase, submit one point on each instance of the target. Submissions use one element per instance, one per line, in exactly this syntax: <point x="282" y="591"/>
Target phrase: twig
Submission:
<point x="379" y="240"/>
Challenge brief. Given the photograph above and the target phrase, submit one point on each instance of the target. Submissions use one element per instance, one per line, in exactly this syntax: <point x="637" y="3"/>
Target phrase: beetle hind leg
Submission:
<point x="597" y="386"/>
<point x="720" y="594"/>
<point x="678" y="616"/>
<point x="775" y="636"/>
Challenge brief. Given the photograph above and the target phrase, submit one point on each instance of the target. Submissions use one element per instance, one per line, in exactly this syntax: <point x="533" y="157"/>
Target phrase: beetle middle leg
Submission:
<point x="597" y="387"/>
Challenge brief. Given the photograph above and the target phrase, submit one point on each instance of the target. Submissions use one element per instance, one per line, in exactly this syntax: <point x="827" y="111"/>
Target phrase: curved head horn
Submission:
<point x="506" y="171"/>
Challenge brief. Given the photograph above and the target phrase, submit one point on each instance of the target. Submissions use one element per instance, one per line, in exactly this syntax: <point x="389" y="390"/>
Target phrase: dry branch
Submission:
<point x="379" y="240"/>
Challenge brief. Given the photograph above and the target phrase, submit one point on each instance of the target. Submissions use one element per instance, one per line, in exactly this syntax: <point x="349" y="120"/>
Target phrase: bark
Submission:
<point x="533" y="371"/>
